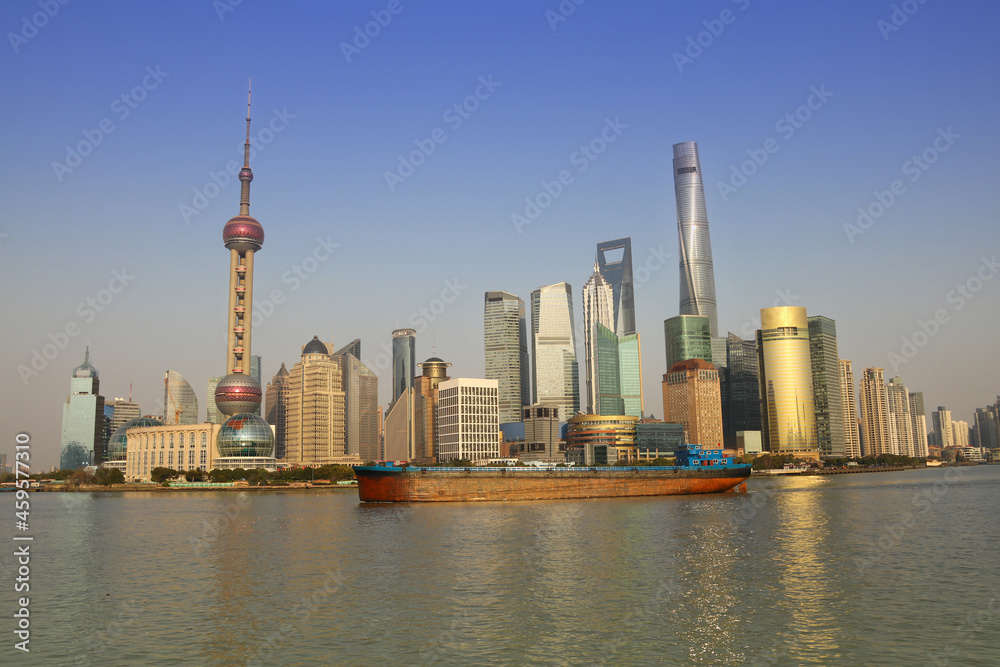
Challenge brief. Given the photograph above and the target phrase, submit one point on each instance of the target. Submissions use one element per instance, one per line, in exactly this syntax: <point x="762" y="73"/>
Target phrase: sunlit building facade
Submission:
<point x="687" y="337"/>
<point x="697" y="284"/>
<point x="740" y="387"/>
<point x="178" y="447"/>
<point x="180" y="403"/>
<point x="82" y="442"/>
<point x="276" y="409"/>
<point x="598" y="310"/>
<point x="919" y="418"/>
<point x="788" y="413"/>
<point x="876" y="437"/>
<point x="468" y="420"/>
<point x="505" y="335"/>
<point x="827" y="395"/>
<point x="691" y="397"/>
<point x="555" y="373"/>
<point x="614" y="263"/>
<point x="900" y="420"/>
<point x="404" y="360"/>
<point x="849" y="411"/>
<point x="314" y="414"/>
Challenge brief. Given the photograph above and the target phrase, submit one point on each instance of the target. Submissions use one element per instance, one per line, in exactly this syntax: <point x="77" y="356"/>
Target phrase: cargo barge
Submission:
<point x="700" y="471"/>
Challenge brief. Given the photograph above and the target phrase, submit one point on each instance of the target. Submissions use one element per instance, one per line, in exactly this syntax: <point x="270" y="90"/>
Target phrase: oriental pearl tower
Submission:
<point x="238" y="395"/>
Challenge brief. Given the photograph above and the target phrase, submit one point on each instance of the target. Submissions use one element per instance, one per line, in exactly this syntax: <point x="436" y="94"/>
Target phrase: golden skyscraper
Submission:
<point x="788" y="413"/>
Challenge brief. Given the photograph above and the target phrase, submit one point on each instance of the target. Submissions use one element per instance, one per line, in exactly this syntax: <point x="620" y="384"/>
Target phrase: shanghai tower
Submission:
<point x="697" y="273"/>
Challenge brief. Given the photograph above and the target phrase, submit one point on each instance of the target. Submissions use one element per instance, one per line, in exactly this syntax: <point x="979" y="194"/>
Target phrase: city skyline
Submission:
<point x="780" y="233"/>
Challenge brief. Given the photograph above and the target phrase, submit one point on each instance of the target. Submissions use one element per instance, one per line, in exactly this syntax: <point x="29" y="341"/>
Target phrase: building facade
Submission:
<point x="82" y="442"/>
<point x="849" y="410"/>
<point x="314" y="413"/>
<point x="555" y="375"/>
<point x="919" y="421"/>
<point x="740" y="387"/>
<point x="505" y="333"/>
<point x="276" y="409"/>
<point x="468" y="420"/>
<point x="404" y="360"/>
<point x="941" y="421"/>
<point x="687" y="337"/>
<point x="697" y="274"/>
<point x="827" y="395"/>
<point x="900" y="419"/>
<point x="874" y="401"/>
<point x="434" y="371"/>
<point x="178" y="447"/>
<point x="614" y="263"/>
<point x="180" y="403"/>
<point x="691" y="396"/>
<point x="361" y="416"/>
<point x="788" y="412"/>
<point x="123" y="411"/>
<point x="212" y="414"/>
<point x="598" y="310"/>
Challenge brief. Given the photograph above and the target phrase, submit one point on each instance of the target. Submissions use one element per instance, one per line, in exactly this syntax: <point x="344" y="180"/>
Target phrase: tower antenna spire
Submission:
<point x="246" y="175"/>
<point x="246" y="145"/>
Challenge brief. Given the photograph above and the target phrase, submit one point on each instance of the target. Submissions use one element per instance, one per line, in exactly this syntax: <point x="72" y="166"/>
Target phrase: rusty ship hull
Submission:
<point x="418" y="484"/>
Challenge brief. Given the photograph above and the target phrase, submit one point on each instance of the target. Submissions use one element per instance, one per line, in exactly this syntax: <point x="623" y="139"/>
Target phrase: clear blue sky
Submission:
<point x="342" y="125"/>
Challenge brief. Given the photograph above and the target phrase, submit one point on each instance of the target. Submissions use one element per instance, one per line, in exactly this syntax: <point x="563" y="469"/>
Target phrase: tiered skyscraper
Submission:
<point x="505" y="334"/>
<point x="697" y="273"/>
<point x="238" y="394"/>
<point x="555" y="376"/>
<point x="83" y="419"/>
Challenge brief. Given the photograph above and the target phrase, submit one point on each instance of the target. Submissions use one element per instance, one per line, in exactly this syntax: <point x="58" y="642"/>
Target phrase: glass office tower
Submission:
<point x="687" y="337"/>
<point x="180" y="404"/>
<point x="404" y="361"/>
<point x="614" y="261"/>
<point x="697" y="272"/>
<point x="741" y="390"/>
<point x="786" y="387"/>
<point x="555" y="375"/>
<point x="83" y="419"/>
<point x="826" y="386"/>
<point x="505" y="335"/>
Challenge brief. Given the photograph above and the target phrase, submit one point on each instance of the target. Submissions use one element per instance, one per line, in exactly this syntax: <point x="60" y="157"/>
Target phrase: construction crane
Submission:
<point x="178" y="407"/>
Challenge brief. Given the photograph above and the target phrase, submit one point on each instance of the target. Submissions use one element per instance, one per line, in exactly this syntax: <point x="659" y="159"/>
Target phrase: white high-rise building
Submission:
<point x="852" y="436"/>
<point x="598" y="308"/>
<point x="875" y="413"/>
<point x="900" y="421"/>
<point x="468" y="420"/>
<point x="555" y="373"/>
<point x="960" y="433"/>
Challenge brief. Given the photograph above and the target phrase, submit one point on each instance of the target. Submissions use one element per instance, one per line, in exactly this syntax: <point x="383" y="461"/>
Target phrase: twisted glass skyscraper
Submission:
<point x="697" y="272"/>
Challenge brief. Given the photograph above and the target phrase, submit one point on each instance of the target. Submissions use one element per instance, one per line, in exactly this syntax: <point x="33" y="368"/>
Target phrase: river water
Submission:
<point x="899" y="568"/>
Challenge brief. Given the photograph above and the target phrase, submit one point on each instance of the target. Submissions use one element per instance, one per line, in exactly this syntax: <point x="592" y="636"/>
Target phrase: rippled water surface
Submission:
<point x="871" y="569"/>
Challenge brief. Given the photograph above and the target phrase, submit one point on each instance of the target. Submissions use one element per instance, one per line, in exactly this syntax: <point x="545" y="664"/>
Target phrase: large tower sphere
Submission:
<point x="243" y="233"/>
<point x="246" y="435"/>
<point x="237" y="393"/>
